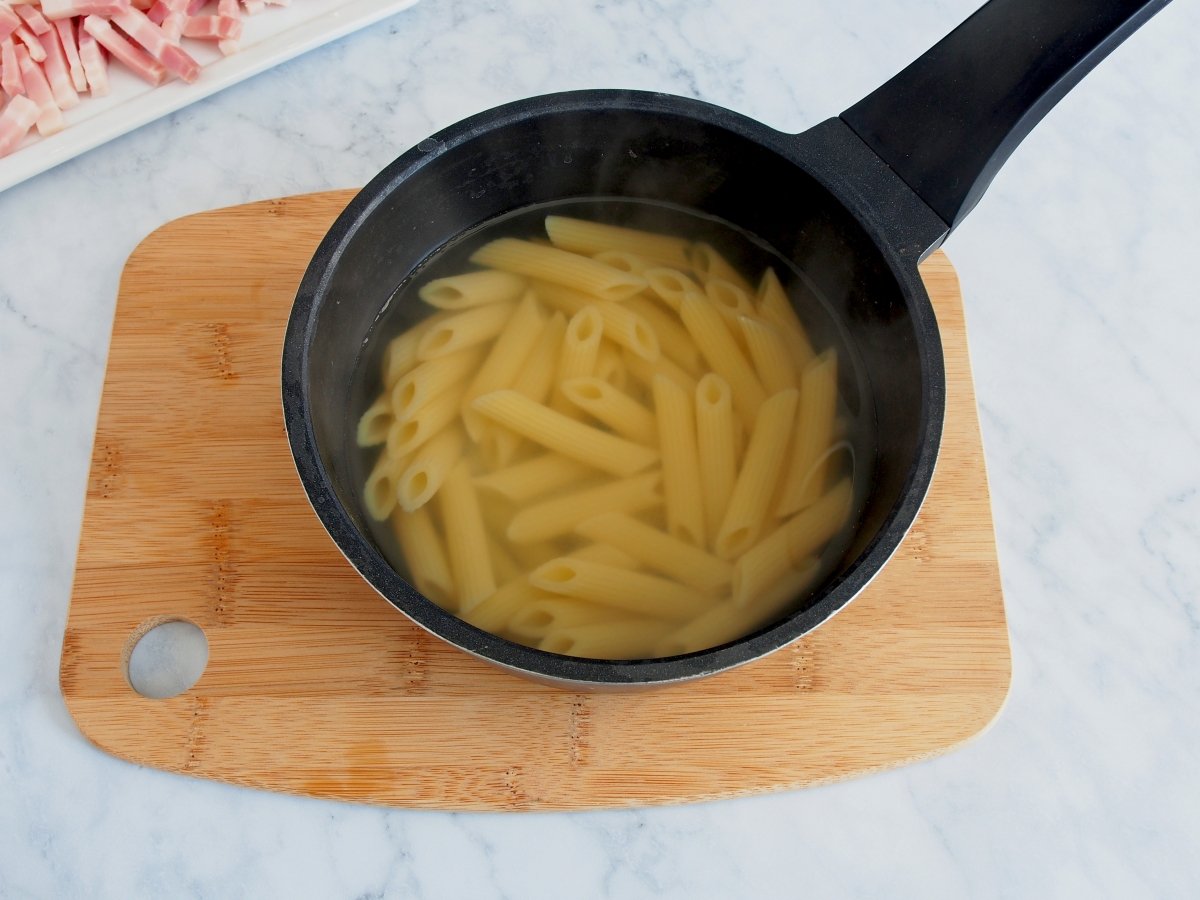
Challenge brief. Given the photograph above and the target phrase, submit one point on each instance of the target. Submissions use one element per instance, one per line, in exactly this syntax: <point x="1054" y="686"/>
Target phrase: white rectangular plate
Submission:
<point x="271" y="37"/>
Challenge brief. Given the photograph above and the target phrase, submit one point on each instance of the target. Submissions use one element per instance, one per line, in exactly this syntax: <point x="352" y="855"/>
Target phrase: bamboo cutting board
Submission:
<point x="317" y="686"/>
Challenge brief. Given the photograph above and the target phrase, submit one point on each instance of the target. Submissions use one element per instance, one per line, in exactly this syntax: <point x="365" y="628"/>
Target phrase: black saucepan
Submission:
<point x="855" y="202"/>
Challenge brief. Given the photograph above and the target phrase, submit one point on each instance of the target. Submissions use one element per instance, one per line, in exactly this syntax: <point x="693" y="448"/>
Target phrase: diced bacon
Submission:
<point x="213" y="28"/>
<point x="65" y="9"/>
<point x="254" y="6"/>
<point x="11" y="81"/>
<point x="32" y="45"/>
<point x="94" y="65"/>
<point x="230" y="9"/>
<point x="133" y="58"/>
<point x="158" y="12"/>
<point x="50" y="118"/>
<point x="57" y="72"/>
<point x="66" y="34"/>
<point x="33" y="18"/>
<point x="194" y="6"/>
<point x="16" y="120"/>
<point x="9" y="21"/>
<point x="175" y="59"/>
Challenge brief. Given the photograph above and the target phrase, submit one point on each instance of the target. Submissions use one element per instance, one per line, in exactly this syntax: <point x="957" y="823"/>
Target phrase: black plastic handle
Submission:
<point x="948" y="122"/>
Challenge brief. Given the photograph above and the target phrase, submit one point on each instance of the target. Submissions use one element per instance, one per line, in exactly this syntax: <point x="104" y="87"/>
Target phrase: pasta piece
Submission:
<point x="621" y="326"/>
<point x="590" y="238"/>
<point x="716" y="443"/>
<point x="503" y="565"/>
<point x="555" y="431"/>
<point x="410" y="432"/>
<point x="710" y="264"/>
<point x="716" y="343"/>
<point x="670" y="285"/>
<point x="535" y="477"/>
<point x="618" y="411"/>
<point x="425" y="556"/>
<point x="472" y="289"/>
<point x="731" y="302"/>
<point x="401" y="353"/>
<point x="581" y="344"/>
<point x="374" y="424"/>
<point x="774" y="306"/>
<point x="604" y="553"/>
<point x="560" y="515"/>
<point x="464" y="329"/>
<point x="673" y="339"/>
<point x="646" y="371"/>
<point x="429" y="379"/>
<point x="757" y="480"/>
<point x="505" y="360"/>
<point x="533" y="622"/>
<point x="659" y="551"/>
<point x="379" y="493"/>
<point x="814" y="433"/>
<point x="466" y="538"/>
<point x="623" y="639"/>
<point x="423" y="476"/>
<point x="624" y="260"/>
<point x="532" y="555"/>
<point x="775" y="366"/>
<point x="558" y="267"/>
<point x="727" y="622"/>
<point x="675" y="410"/>
<point x="610" y="367"/>
<point x="641" y="594"/>
<point x="494" y="613"/>
<point x="801" y="536"/>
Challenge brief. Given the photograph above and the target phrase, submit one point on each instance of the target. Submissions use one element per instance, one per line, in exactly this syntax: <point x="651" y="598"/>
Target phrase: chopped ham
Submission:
<point x="9" y="21"/>
<point x="213" y="28"/>
<point x="66" y="34"/>
<point x="50" y="118"/>
<point x="174" y="59"/>
<point x="32" y="45"/>
<point x="33" y="18"/>
<point x="133" y="58"/>
<point x="16" y="120"/>
<point x="94" y="65"/>
<point x="65" y="9"/>
<point x="11" y="81"/>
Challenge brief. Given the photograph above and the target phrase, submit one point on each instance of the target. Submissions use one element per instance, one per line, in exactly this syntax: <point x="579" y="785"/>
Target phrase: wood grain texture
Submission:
<point x="317" y="686"/>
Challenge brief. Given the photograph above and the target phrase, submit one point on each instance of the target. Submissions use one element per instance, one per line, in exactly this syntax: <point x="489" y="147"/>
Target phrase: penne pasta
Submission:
<point x="799" y="537"/>
<point x="709" y="264"/>
<point x="374" y="424"/>
<point x="731" y="302"/>
<point x="590" y="238"/>
<point x="621" y="326"/>
<point x="618" y="411"/>
<point x="716" y="445"/>
<point x="775" y="307"/>
<point x="581" y="344"/>
<point x="659" y="551"/>
<point x="466" y="538"/>
<point x="535" y="621"/>
<point x="676" y="420"/>
<point x="774" y="364"/>
<point x="646" y="371"/>
<point x="760" y="473"/>
<point x="808" y="461"/>
<point x="610" y="367"/>
<point x="535" y="477"/>
<point x="558" y="267"/>
<point x="504" y="361"/>
<point x="472" y="289"/>
<point x="560" y="515"/>
<point x="533" y="554"/>
<point x="379" y="493"/>
<point x="505" y="567"/>
<point x="432" y="378"/>
<point x="464" y="329"/>
<point x="426" y="557"/>
<point x="604" y="553"/>
<point x="670" y="285"/>
<point x="494" y="613"/>
<point x="621" y="639"/>
<point x="555" y="431"/>
<point x="401" y="353"/>
<point x="673" y="339"/>
<point x="426" y="471"/>
<point x="410" y="432"/>
<point x="717" y="345"/>
<point x="624" y="260"/>
<point x="637" y="592"/>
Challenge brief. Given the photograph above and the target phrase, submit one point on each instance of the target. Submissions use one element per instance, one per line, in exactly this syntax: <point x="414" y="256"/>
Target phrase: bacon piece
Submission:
<point x="175" y="19"/>
<point x="213" y="28"/>
<point x="194" y="7"/>
<point x="11" y="81"/>
<point x="174" y="59"/>
<point x="254" y="6"/>
<point x="134" y="58"/>
<point x="65" y="9"/>
<point x="66" y="35"/>
<point x="16" y="120"/>
<point x="157" y="12"/>
<point x="231" y="10"/>
<point x="33" y="18"/>
<point x="9" y="21"/>
<point x="32" y="45"/>
<point x="50" y="118"/>
<point x="57" y="72"/>
<point x="94" y="66"/>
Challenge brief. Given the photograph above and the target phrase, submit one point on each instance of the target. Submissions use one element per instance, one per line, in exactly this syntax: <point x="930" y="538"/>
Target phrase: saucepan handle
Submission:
<point x="947" y="123"/>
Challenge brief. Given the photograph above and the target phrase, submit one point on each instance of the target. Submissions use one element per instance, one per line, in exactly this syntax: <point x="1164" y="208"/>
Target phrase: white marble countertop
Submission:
<point x="1079" y="274"/>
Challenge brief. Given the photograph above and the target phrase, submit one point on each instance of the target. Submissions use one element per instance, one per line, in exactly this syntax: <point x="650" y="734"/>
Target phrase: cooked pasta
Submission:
<point x="608" y="445"/>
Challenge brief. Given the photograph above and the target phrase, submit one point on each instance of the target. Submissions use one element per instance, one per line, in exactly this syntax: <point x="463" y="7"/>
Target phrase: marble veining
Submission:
<point x="1079" y="274"/>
